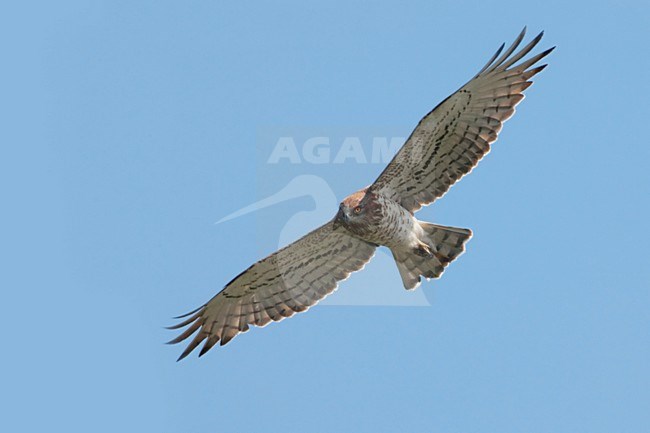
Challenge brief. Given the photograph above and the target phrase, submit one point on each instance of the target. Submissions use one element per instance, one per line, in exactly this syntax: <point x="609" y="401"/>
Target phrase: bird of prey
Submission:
<point x="446" y="144"/>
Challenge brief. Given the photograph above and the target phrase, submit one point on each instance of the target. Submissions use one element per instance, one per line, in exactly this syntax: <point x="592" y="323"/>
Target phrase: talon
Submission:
<point x="423" y="250"/>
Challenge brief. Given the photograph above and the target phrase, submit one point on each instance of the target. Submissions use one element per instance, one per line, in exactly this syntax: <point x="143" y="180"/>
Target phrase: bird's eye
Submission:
<point x="357" y="210"/>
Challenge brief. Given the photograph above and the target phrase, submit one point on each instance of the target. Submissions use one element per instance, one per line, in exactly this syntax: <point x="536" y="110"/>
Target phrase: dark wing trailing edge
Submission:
<point x="286" y="282"/>
<point x="450" y="140"/>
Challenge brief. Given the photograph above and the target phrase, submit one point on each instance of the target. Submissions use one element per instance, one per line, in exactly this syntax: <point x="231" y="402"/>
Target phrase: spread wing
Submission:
<point x="450" y="140"/>
<point x="286" y="282"/>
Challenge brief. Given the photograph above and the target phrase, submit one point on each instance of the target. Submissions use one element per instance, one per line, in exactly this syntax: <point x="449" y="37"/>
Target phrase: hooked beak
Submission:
<point x="340" y="218"/>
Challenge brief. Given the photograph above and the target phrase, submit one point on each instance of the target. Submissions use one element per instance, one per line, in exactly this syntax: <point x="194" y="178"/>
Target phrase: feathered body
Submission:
<point x="377" y="220"/>
<point x="419" y="248"/>
<point x="446" y="145"/>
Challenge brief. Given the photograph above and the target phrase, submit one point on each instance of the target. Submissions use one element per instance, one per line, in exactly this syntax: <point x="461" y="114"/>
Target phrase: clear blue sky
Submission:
<point x="129" y="128"/>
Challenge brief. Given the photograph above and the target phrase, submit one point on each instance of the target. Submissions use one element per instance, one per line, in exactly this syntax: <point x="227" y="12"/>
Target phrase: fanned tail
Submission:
<point x="441" y="246"/>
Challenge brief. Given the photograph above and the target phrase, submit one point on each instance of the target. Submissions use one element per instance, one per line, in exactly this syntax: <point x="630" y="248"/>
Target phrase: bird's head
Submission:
<point x="354" y="211"/>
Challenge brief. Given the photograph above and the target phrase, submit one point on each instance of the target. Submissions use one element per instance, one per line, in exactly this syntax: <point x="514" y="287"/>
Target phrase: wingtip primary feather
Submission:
<point x="209" y="344"/>
<point x="197" y="324"/>
<point x="507" y="59"/>
<point x="507" y="53"/>
<point x="187" y="321"/>
<point x="193" y="344"/>
<point x="190" y="313"/>
<point x="492" y="59"/>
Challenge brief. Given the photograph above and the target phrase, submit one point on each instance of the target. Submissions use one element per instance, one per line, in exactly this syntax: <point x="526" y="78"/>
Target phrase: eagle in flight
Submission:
<point x="445" y="146"/>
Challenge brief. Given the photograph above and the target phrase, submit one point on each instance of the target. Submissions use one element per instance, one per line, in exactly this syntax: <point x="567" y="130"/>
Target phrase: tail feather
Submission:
<point x="445" y="245"/>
